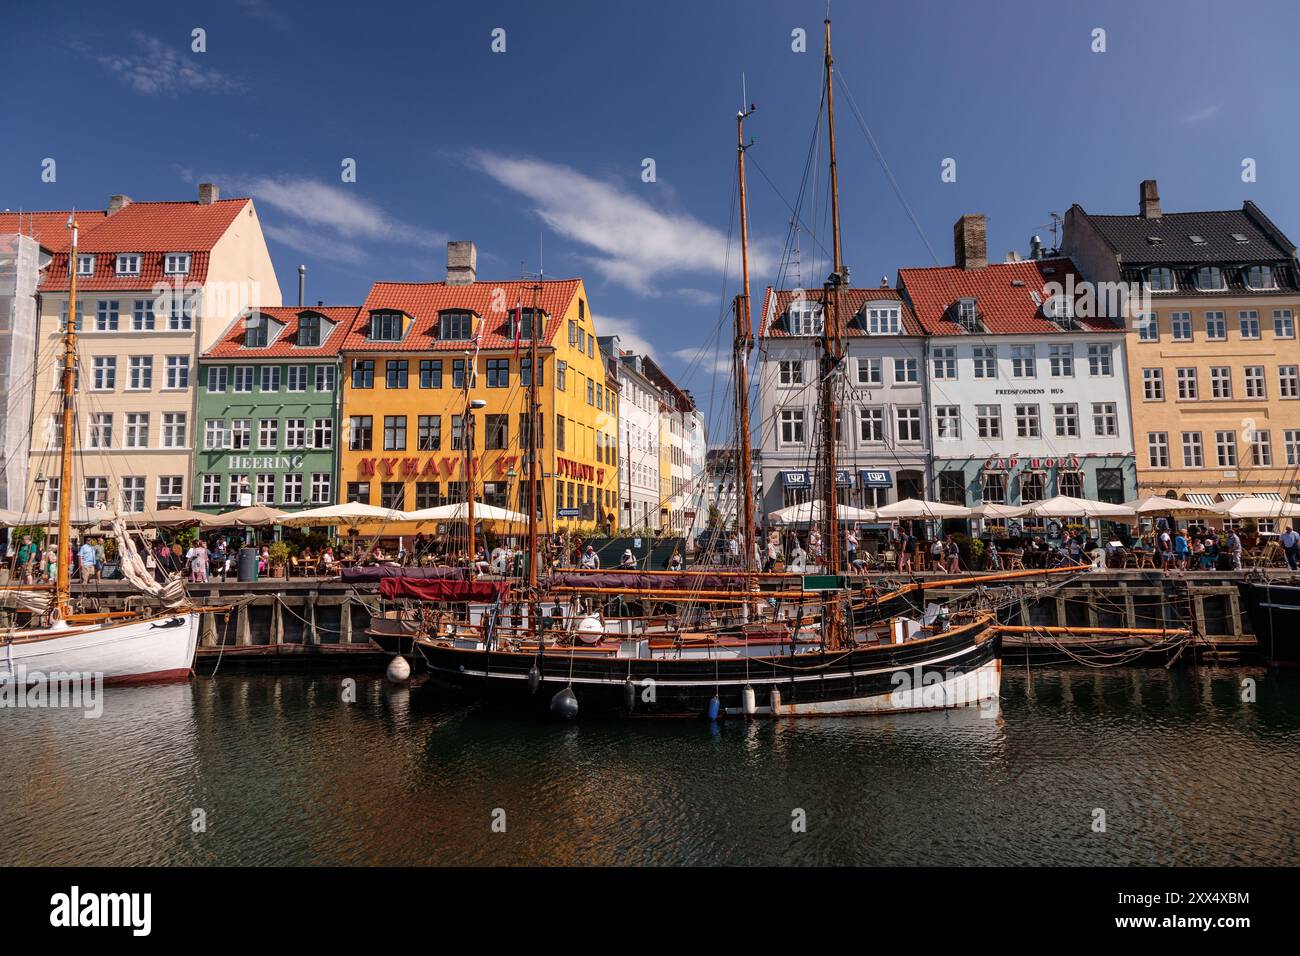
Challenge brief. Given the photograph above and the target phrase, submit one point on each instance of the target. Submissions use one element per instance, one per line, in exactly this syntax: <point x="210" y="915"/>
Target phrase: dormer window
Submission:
<point x="176" y="263"/>
<point x="1260" y="277"/>
<point x="804" y="318"/>
<point x="455" y="326"/>
<point x="385" y="326"/>
<point x="968" y="315"/>
<point x="85" y="265"/>
<point x="128" y="264"/>
<point x="1210" y="279"/>
<point x="881" y="318"/>
<point x="308" y="330"/>
<point x="527" y="331"/>
<point x="256" y="331"/>
<point x="1060" y="309"/>
<point x="1161" y="280"/>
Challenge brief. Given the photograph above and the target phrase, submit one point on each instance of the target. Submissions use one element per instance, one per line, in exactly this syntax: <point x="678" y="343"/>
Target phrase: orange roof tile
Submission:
<point x="423" y="301"/>
<point x="231" y="343"/>
<point x="1005" y="307"/>
<point x="50" y="229"/>
<point x="151" y="229"/>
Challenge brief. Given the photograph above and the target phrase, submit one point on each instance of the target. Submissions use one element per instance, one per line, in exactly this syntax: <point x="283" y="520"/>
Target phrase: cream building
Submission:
<point x="157" y="283"/>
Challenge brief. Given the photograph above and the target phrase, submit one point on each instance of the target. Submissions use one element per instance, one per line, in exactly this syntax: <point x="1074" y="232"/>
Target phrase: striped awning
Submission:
<point x="1199" y="498"/>
<point x="1269" y="495"/>
<point x="1231" y="495"/>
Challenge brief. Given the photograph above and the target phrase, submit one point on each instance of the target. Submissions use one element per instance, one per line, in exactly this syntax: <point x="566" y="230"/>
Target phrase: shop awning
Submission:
<point x="1232" y="495"/>
<point x="795" y="479"/>
<point x="843" y="477"/>
<point x="1268" y="495"/>
<point x="1199" y="498"/>
<point x="872" y="478"/>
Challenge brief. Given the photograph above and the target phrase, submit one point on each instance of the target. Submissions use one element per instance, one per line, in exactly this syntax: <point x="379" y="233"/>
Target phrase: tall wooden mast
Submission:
<point x="62" y="593"/>
<point x="832" y="339"/>
<point x="534" y="414"/>
<point x="740" y="359"/>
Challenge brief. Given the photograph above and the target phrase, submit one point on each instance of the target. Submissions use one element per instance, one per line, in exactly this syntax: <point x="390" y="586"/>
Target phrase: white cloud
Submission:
<point x="637" y="243"/>
<point x="1202" y="114"/>
<point x="705" y="359"/>
<point x="161" y="69"/>
<point x="629" y="335"/>
<point x="328" y="221"/>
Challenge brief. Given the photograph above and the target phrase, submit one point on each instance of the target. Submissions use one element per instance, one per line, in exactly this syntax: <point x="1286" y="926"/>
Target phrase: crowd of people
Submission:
<point x="1169" y="547"/>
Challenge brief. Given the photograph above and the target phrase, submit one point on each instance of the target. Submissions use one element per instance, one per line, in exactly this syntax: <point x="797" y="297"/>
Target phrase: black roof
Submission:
<point x="1131" y="237"/>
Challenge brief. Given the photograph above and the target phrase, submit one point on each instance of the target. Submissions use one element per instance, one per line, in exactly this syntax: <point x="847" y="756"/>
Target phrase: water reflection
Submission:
<point x="309" y="769"/>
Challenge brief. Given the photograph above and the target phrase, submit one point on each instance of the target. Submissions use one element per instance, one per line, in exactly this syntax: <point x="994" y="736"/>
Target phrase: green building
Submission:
<point x="268" y="409"/>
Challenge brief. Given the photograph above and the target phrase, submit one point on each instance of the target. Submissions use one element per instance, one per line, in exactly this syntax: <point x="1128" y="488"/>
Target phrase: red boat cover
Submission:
<point x="441" y="589"/>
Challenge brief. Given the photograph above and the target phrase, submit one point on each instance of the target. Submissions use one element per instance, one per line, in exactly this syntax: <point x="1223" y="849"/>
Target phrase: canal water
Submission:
<point x="1125" y="766"/>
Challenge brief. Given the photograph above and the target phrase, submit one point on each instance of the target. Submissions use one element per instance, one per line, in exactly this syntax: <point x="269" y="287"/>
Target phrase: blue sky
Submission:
<point x="545" y="142"/>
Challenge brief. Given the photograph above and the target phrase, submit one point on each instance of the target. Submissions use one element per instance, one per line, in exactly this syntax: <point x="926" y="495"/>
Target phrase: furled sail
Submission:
<point x="170" y="594"/>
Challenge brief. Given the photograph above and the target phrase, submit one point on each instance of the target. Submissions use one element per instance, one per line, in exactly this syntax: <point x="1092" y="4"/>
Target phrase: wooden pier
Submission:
<point x="319" y="621"/>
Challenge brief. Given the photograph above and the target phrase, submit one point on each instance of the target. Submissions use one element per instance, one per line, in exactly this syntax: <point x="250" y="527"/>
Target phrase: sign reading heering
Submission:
<point x="285" y="462"/>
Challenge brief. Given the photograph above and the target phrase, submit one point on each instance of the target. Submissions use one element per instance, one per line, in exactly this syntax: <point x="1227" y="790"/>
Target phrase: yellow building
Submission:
<point x="405" y="363"/>
<point x="1213" y="358"/>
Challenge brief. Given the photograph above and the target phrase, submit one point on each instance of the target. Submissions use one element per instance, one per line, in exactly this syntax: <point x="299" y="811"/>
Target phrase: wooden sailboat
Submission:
<point x="117" y="647"/>
<point x="803" y="652"/>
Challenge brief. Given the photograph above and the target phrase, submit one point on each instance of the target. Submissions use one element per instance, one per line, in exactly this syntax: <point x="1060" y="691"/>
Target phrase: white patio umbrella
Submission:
<point x="916" y="508"/>
<point x="808" y="511"/>
<point x="999" y="512"/>
<point x="1252" y="507"/>
<point x="349" y="515"/>
<point x="1065" y="506"/>
<point x="1158" y="504"/>
<point x="460" y="512"/>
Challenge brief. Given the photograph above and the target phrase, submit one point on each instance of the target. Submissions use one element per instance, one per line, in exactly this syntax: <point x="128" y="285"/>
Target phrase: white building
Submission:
<point x="884" y="447"/>
<point x="638" y="438"/>
<point x="1028" y="398"/>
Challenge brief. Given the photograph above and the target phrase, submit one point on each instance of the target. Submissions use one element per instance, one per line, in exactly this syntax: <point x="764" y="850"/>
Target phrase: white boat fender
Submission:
<point x="565" y="704"/>
<point x="534" y="679"/>
<point x="748" y="701"/>
<point x="399" y="670"/>
<point x="591" y="629"/>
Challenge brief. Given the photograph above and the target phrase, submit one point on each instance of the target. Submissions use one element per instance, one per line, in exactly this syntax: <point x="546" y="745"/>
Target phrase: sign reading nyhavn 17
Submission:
<point x="405" y="466"/>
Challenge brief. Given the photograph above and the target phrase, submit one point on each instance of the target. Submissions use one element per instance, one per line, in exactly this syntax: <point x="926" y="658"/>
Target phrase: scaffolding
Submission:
<point x="19" y="269"/>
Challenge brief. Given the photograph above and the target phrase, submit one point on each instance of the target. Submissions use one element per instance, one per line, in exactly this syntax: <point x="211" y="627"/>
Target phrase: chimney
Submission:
<point x="116" y="203"/>
<point x="462" y="262"/>
<point x="970" y="248"/>
<point x="1150" y="200"/>
<point x="302" y="285"/>
<point x="1035" y="247"/>
<point x="208" y="193"/>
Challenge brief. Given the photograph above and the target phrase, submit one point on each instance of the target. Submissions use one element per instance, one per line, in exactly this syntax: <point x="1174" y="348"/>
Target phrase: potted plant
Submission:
<point x="279" y="552"/>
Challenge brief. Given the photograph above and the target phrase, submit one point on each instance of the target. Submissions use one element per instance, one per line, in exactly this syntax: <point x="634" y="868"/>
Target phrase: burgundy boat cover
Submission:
<point x="437" y="589"/>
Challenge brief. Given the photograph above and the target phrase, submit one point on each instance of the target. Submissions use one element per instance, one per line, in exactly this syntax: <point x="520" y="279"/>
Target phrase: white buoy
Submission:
<point x="591" y="629"/>
<point x="748" y="701"/>
<point x="399" y="670"/>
